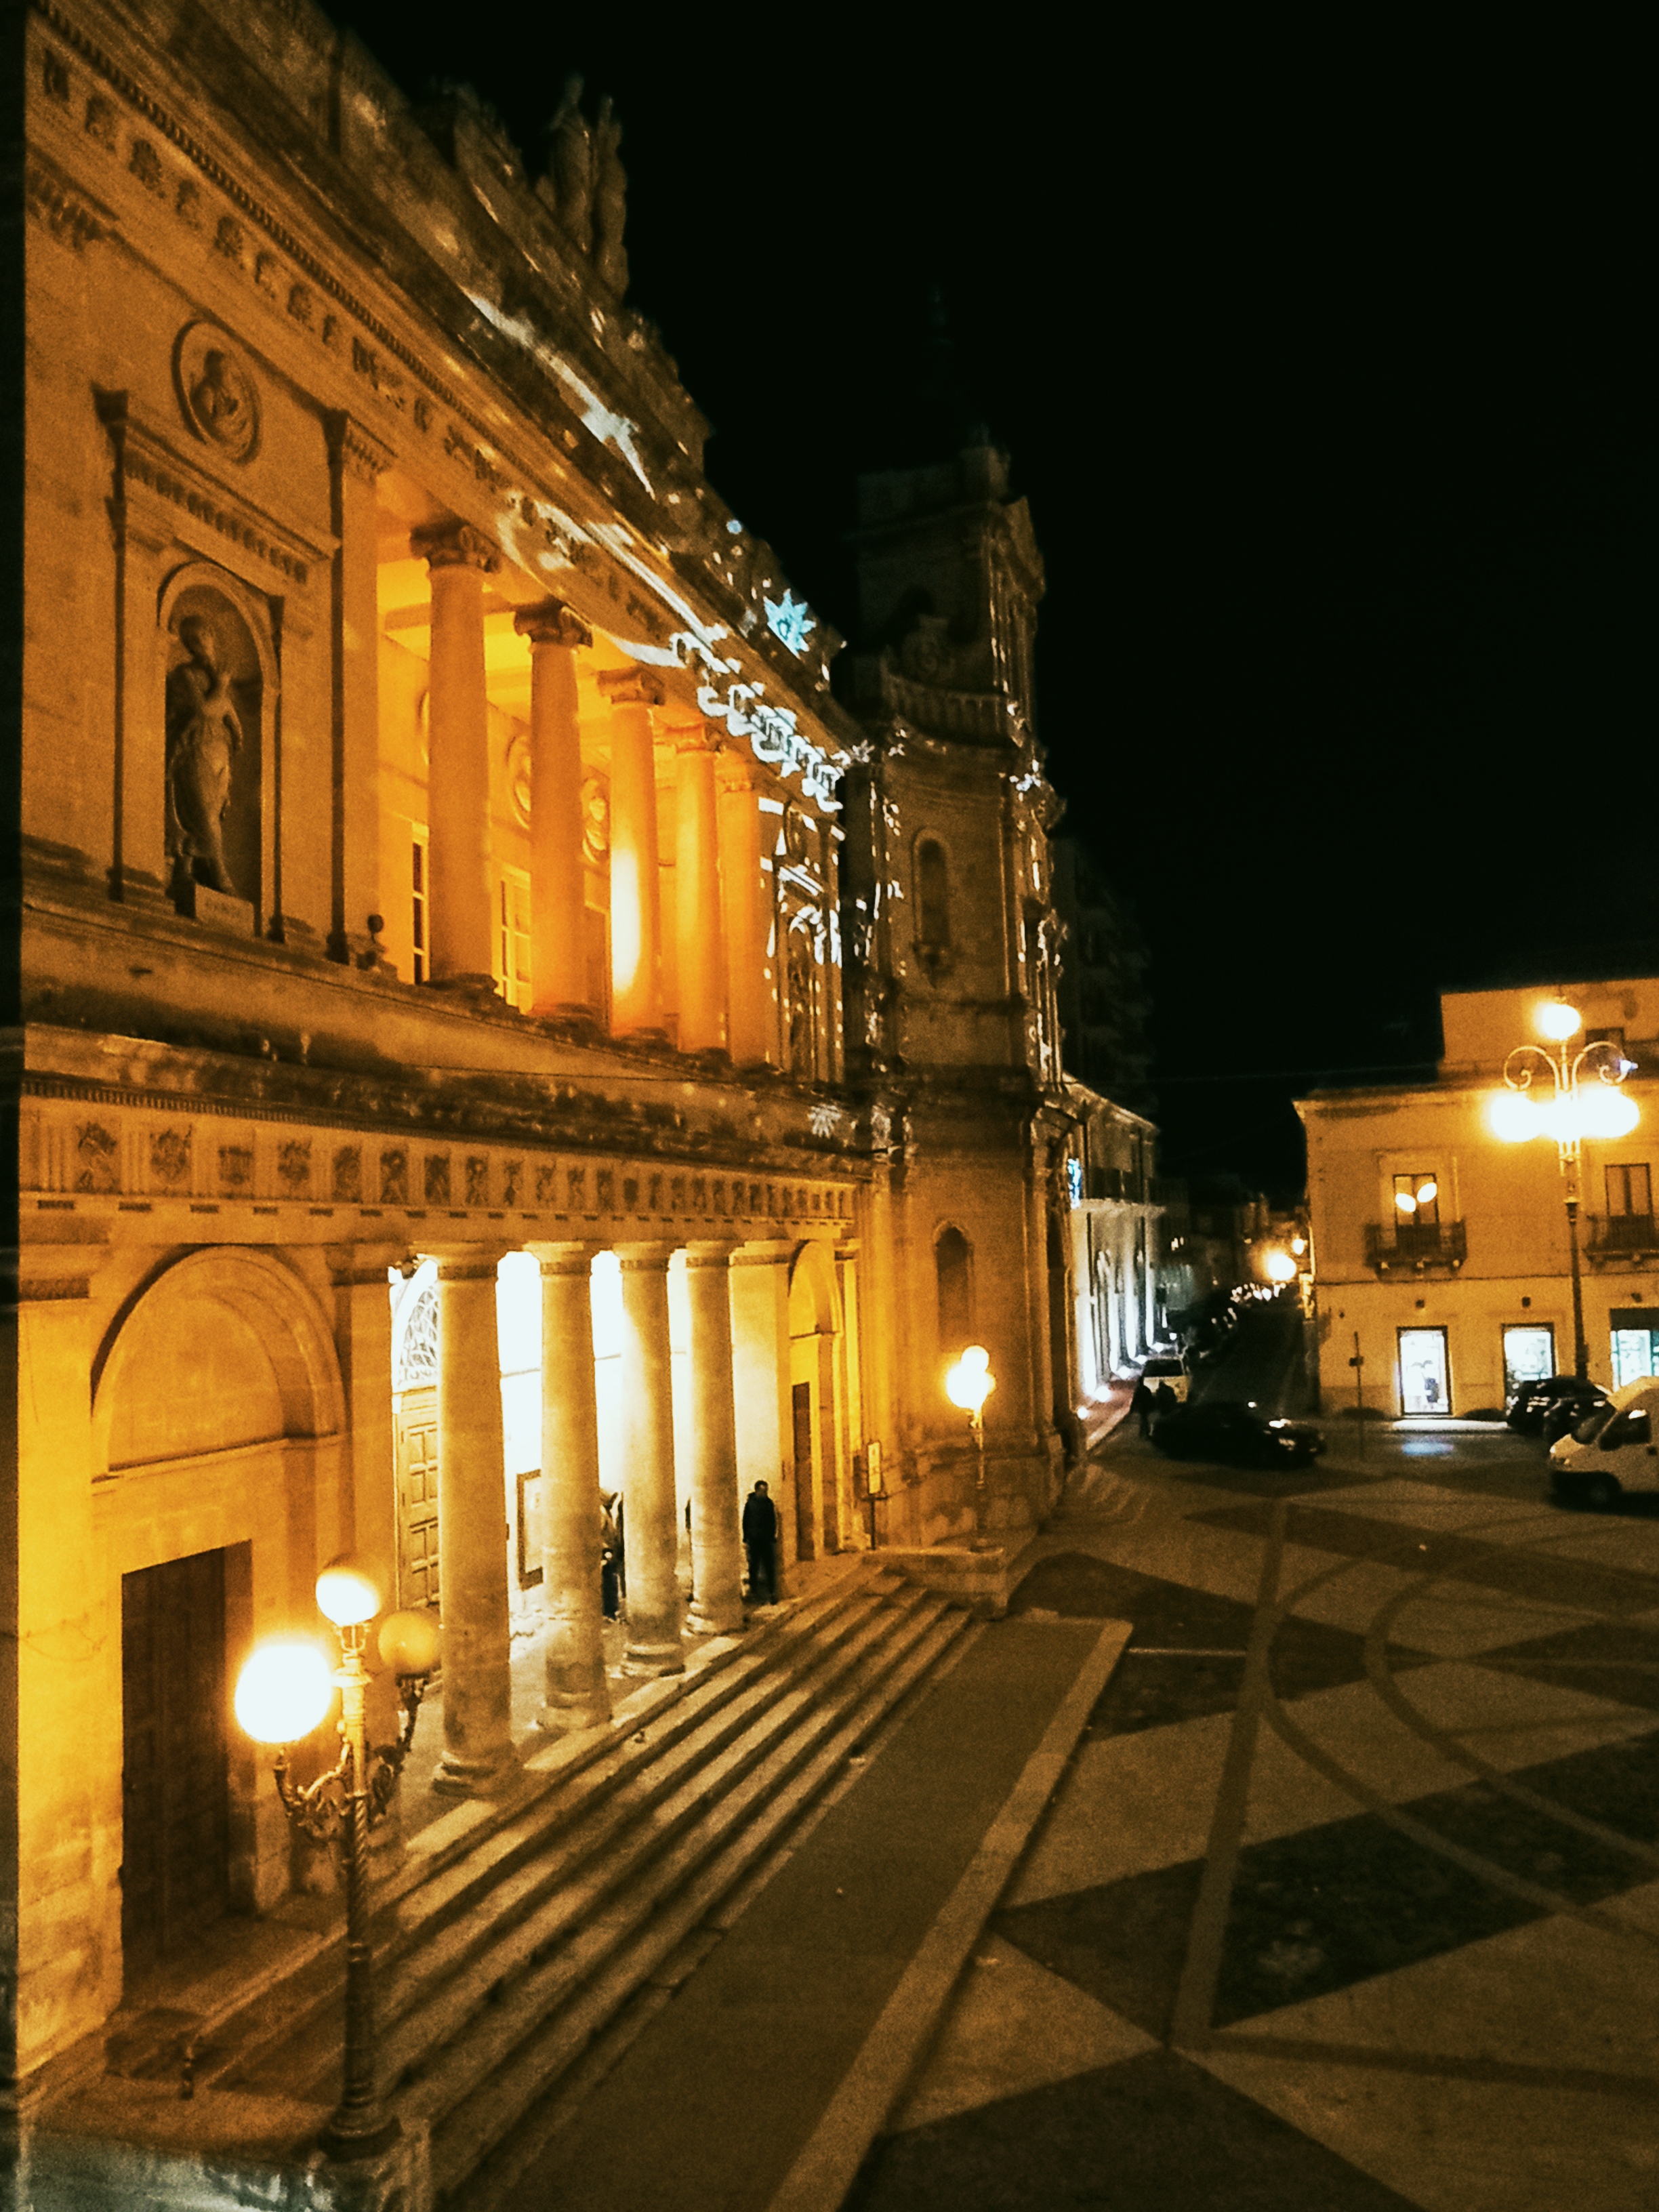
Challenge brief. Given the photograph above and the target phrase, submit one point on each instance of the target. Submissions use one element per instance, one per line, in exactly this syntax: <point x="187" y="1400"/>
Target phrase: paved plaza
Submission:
<point x="1349" y="1899"/>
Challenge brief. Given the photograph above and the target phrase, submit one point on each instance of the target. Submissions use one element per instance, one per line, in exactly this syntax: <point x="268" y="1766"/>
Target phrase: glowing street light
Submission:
<point x="1279" y="1267"/>
<point x="968" y="1384"/>
<point x="283" y="1693"/>
<point x="1576" y="1109"/>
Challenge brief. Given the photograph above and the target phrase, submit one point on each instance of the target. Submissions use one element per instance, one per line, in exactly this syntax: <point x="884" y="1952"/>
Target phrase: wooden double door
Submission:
<point x="175" y="1779"/>
<point x="415" y="1426"/>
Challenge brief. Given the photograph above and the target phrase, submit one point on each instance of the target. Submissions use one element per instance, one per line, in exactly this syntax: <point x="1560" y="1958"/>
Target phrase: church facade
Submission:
<point x="500" y="1029"/>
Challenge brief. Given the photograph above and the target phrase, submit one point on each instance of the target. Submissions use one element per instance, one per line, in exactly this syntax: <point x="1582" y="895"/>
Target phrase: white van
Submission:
<point x="1614" y="1448"/>
<point x="1169" y="1372"/>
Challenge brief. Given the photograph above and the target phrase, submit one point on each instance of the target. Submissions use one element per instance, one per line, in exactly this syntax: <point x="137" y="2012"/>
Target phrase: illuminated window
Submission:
<point x="419" y="877"/>
<point x="513" y="941"/>
<point x="1417" y="1199"/>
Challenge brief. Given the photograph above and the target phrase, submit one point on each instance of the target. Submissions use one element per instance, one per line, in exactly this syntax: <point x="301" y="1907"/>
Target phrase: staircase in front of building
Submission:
<point x="522" y="1945"/>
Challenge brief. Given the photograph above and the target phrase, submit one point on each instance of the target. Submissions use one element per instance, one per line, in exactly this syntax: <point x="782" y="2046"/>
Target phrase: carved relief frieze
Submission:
<point x="294" y="1168"/>
<point x="575" y="1188"/>
<point x="477" y="1181"/>
<point x="605" y="1190"/>
<point x="631" y="1197"/>
<point x="235" y="1167"/>
<point x="97" y="1157"/>
<point x="349" y="1174"/>
<point x="437" y="1179"/>
<point x="394" y="1178"/>
<point x="512" y="1182"/>
<point x="65" y="210"/>
<point x="170" y="1156"/>
<point x="547" y="1183"/>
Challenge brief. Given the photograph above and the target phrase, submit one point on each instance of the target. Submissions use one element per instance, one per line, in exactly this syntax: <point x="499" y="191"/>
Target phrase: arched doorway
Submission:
<point x="817" y="1405"/>
<point x="216" y="1433"/>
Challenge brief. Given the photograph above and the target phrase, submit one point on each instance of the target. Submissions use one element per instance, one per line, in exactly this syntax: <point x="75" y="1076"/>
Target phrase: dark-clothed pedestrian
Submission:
<point x="1141" y="1404"/>
<point x="613" y="1582"/>
<point x="760" y="1540"/>
<point x="1165" y="1399"/>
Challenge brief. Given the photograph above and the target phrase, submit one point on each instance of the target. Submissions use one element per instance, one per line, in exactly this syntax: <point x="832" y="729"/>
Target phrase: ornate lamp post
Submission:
<point x="968" y="1384"/>
<point x="283" y="1693"/>
<point x="1574" y="1110"/>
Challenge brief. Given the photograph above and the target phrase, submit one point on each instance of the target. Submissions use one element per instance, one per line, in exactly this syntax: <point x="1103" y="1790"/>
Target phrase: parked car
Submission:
<point x="1536" y="1398"/>
<point x="1614" y="1449"/>
<point x="1171" y="1373"/>
<point x="1243" y="1434"/>
<point x="1572" y="1417"/>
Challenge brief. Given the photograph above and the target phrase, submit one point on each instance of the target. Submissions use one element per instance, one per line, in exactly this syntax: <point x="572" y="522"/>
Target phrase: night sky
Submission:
<point x="1320" y="366"/>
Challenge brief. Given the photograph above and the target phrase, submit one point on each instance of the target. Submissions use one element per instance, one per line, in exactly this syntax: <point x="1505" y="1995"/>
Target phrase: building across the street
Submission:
<point x="1441" y="1253"/>
<point x="499" y="1029"/>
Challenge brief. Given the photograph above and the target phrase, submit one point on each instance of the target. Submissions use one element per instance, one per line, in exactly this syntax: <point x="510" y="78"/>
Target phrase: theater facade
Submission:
<point x="498" y="1028"/>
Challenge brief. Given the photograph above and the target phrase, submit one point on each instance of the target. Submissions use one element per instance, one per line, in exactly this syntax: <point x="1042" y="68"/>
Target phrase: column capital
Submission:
<point x="569" y="1256"/>
<point x="711" y="1251"/>
<point x="699" y="737"/>
<point x="550" y="622"/>
<point x="772" y="1253"/>
<point x="735" y="771"/>
<point x="638" y="1259"/>
<point x="454" y="546"/>
<point x="468" y="1263"/>
<point x="633" y="686"/>
<point x="353" y="450"/>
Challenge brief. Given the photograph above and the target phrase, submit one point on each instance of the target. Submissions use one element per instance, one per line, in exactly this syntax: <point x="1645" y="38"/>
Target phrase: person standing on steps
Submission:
<point x="760" y="1540"/>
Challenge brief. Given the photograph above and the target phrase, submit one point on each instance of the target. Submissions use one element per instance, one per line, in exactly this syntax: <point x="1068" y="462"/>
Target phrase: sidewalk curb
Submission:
<point x="826" y="2167"/>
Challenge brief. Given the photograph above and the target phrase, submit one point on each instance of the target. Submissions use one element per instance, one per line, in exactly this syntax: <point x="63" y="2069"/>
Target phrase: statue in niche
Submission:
<point x="203" y="735"/>
<point x="571" y="165"/>
<point x="609" y="202"/>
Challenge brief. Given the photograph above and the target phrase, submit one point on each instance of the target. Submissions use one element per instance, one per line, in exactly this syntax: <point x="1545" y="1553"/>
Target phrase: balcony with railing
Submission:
<point x="1622" y="1236"/>
<point x="1415" y="1247"/>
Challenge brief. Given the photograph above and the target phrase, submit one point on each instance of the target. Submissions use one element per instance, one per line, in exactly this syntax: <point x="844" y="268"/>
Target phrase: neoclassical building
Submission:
<point x="498" y="1028"/>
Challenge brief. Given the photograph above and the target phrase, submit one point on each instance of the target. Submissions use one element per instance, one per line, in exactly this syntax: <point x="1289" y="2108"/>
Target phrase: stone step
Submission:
<point x="427" y="1989"/>
<point x="544" y="2058"/>
<point x="563" y="1781"/>
<point x="591" y="1918"/>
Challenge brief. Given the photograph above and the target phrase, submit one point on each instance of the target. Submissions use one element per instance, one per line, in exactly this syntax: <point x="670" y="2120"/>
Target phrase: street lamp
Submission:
<point x="1574" y="1110"/>
<point x="968" y="1384"/>
<point x="282" y="1693"/>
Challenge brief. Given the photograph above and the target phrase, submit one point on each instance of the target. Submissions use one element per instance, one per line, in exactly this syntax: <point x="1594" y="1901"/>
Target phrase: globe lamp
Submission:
<point x="284" y="1692"/>
<point x="409" y="1641"/>
<point x="345" y="1595"/>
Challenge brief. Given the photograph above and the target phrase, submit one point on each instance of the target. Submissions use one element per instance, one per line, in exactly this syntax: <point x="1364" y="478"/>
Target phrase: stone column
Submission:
<point x="760" y="1382"/>
<point x="558" y="960"/>
<point x="716" y="1538"/>
<point x="635" y="897"/>
<point x="699" y="918"/>
<point x="356" y="461"/>
<point x="751" y="1031"/>
<point x="650" y="1531"/>
<point x="577" y="1694"/>
<point x="472" y="1529"/>
<point x="462" y="909"/>
<point x="368" y="1516"/>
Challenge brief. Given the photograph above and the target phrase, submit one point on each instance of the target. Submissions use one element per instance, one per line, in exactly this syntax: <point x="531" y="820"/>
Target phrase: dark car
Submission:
<point x="1580" y="1417"/>
<point x="1241" y="1433"/>
<point x="1537" y="1400"/>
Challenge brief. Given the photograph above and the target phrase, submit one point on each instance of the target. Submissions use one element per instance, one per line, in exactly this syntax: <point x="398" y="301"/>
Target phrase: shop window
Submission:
<point x="1424" y="1380"/>
<point x="1529" y="1356"/>
<point x="1634" y="1344"/>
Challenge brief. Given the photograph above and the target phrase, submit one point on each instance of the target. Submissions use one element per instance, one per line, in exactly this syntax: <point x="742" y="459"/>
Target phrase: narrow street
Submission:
<point x="1349" y="1899"/>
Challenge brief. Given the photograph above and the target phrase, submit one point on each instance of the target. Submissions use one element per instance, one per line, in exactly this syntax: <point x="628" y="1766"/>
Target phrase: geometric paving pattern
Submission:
<point x="1412" y="1960"/>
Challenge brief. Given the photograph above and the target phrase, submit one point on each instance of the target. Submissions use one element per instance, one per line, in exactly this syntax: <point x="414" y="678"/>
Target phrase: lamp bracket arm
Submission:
<point x="318" y="1810"/>
<point x="1524" y="1063"/>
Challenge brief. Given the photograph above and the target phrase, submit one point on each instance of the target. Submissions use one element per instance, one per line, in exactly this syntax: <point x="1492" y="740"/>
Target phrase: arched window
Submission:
<point x="953" y="1259"/>
<point x="933" y="900"/>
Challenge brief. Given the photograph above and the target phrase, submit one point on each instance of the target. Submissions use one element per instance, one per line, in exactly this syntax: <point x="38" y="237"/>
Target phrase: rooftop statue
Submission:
<point x="587" y="185"/>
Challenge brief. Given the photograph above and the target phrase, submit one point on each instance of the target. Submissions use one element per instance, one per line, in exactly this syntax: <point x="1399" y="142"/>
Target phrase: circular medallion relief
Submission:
<point x="596" y="821"/>
<point x="518" y="779"/>
<point x="216" y="391"/>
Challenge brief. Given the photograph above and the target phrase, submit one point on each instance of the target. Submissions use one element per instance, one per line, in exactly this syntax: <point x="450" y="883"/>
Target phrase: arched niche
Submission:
<point x="818" y="1389"/>
<point x="220" y="1349"/>
<point x="219" y="708"/>
<point x="953" y="1268"/>
<point x="931" y="879"/>
<point x="814" y="1300"/>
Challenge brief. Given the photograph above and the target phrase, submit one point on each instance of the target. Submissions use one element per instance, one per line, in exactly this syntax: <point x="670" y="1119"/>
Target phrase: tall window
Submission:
<point x="1630" y="1191"/>
<point x="954" y="1263"/>
<point x="512" y="939"/>
<point x="932" y="899"/>
<point x="1417" y="1200"/>
<point x="419" y="877"/>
